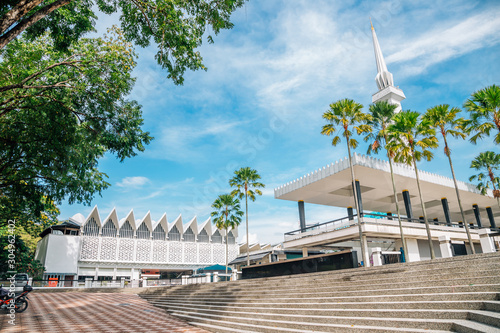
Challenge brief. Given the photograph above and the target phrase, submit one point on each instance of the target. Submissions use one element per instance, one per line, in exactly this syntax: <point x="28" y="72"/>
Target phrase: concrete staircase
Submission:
<point x="460" y="294"/>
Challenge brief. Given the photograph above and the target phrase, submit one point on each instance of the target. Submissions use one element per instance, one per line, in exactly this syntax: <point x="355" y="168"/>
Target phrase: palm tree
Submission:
<point x="411" y="139"/>
<point x="382" y="113"/>
<point x="489" y="162"/>
<point x="245" y="179"/>
<point x="227" y="215"/>
<point x="344" y="114"/>
<point x="484" y="109"/>
<point x="444" y="119"/>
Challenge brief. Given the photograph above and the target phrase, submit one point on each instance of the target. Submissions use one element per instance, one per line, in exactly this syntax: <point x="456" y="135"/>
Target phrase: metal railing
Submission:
<point x="347" y="222"/>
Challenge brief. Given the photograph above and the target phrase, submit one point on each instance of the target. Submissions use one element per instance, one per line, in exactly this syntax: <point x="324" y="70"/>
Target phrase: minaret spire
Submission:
<point x="385" y="82"/>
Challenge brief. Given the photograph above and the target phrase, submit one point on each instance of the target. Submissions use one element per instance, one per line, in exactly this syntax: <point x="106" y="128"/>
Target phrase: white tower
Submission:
<point x="387" y="91"/>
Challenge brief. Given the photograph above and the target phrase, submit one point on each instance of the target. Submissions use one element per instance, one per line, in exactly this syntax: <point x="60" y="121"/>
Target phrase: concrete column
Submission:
<point x="302" y="215"/>
<point x="360" y="200"/>
<point x="184" y="279"/>
<point x="208" y="277"/>
<point x="350" y="213"/>
<point x="493" y="225"/>
<point x="407" y="201"/>
<point x="88" y="283"/>
<point x="446" y="210"/>
<point x="487" y="245"/>
<point x="365" y="243"/>
<point x="477" y="215"/>
<point x="305" y="253"/>
<point x="122" y="282"/>
<point x="413" y="253"/>
<point x="445" y="246"/>
<point x="233" y="275"/>
<point x="377" y="256"/>
<point x="216" y="276"/>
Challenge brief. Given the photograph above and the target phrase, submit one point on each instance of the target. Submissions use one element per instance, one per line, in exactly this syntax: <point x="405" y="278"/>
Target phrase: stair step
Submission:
<point x="304" y="327"/>
<point x="467" y="326"/>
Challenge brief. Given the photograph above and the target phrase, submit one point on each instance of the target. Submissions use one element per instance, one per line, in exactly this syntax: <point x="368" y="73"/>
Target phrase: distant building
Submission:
<point x="112" y="248"/>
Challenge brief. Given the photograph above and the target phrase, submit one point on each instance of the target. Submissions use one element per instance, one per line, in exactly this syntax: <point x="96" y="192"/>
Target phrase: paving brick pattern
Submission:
<point x="92" y="312"/>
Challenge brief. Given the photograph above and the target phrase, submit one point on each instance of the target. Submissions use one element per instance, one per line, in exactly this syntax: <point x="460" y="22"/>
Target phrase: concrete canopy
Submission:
<point x="331" y="186"/>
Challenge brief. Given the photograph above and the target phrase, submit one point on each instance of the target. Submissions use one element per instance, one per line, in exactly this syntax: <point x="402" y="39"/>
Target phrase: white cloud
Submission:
<point x="243" y="238"/>
<point x="441" y="44"/>
<point x="133" y="182"/>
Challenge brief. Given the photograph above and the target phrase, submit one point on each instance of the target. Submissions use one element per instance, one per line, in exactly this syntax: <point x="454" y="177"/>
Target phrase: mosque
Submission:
<point x="111" y="248"/>
<point x="377" y="229"/>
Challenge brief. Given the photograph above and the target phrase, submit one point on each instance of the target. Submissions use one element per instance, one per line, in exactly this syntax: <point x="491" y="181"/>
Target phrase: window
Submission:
<point x="109" y="229"/>
<point x="126" y="230"/>
<point x="203" y="236"/>
<point x="189" y="235"/>
<point x="216" y="237"/>
<point x="159" y="233"/>
<point x="143" y="232"/>
<point x="91" y="228"/>
<point x="174" y="234"/>
<point x="230" y="238"/>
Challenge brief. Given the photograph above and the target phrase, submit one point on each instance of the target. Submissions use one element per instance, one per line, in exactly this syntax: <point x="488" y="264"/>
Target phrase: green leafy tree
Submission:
<point x="342" y="116"/>
<point x="410" y="138"/>
<point x="227" y="215"/>
<point x="13" y="244"/>
<point x="484" y="109"/>
<point x="382" y="113"/>
<point x="444" y="119"/>
<point x="59" y="113"/>
<point x="487" y="162"/>
<point x="176" y="27"/>
<point x="247" y="185"/>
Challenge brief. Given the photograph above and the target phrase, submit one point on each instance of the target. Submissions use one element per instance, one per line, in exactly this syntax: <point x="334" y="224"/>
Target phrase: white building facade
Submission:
<point x="111" y="249"/>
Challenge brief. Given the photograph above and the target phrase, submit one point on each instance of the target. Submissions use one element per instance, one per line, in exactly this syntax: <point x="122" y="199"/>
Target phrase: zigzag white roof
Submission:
<point x="151" y="224"/>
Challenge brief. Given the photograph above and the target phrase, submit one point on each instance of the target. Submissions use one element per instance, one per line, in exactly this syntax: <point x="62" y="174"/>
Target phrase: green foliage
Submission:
<point x="176" y="27"/>
<point x="484" y="110"/>
<point x="245" y="180"/>
<point x="59" y="113"/>
<point x="444" y="119"/>
<point x="488" y="162"/>
<point x="345" y="114"/>
<point x="381" y="116"/>
<point x="411" y="137"/>
<point x="227" y="213"/>
<point x="21" y="255"/>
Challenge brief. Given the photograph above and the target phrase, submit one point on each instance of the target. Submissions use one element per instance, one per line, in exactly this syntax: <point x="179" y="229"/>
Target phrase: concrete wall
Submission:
<point x="41" y="249"/>
<point x="61" y="253"/>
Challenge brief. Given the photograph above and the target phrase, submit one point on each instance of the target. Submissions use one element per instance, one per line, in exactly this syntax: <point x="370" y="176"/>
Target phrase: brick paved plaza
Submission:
<point x="92" y="312"/>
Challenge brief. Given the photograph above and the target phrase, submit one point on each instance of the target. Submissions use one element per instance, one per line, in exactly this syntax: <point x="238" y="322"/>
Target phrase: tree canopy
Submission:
<point x="176" y="27"/>
<point x="63" y="101"/>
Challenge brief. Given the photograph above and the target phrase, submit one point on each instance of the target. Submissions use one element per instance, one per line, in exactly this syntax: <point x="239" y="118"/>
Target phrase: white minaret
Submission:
<point x="387" y="91"/>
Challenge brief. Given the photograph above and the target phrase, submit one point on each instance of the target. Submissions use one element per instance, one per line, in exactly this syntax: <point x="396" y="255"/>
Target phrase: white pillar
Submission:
<point x="209" y="277"/>
<point x="365" y="243"/>
<point x="233" y="275"/>
<point x="305" y="253"/>
<point x="216" y="276"/>
<point x="377" y="256"/>
<point x="413" y="253"/>
<point x="486" y="242"/>
<point x="122" y="282"/>
<point x="184" y="279"/>
<point x="88" y="282"/>
<point x="445" y="246"/>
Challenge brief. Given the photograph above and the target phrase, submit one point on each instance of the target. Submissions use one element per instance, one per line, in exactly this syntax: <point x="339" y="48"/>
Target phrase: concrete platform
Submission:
<point x="92" y="312"/>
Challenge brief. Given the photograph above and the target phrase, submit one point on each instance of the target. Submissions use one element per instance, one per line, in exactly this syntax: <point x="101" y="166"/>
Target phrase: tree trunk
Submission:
<point x="363" y="250"/>
<point x="431" y="248"/>
<point x="403" y="240"/>
<point x="447" y="150"/>
<point x="246" y="218"/>
<point x="227" y="250"/>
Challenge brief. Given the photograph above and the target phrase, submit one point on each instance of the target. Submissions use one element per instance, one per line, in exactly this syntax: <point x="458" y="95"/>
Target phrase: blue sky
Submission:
<point x="269" y="81"/>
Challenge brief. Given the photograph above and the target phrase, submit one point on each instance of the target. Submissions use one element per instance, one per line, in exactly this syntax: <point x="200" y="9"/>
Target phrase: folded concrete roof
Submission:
<point x="331" y="186"/>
